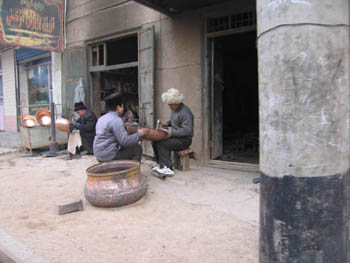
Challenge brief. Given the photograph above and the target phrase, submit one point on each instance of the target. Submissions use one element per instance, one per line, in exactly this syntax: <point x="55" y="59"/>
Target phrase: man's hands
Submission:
<point x="143" y="131"/>
<point x="73" y="126"/>
<point x="168" y="131"/>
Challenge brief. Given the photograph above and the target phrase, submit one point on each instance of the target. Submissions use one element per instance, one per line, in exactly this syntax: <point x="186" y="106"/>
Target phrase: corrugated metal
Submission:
<point x="25" y="53"/>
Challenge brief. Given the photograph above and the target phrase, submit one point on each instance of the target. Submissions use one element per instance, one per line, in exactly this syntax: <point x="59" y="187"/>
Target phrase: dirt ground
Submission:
<point x="204" y="215"/>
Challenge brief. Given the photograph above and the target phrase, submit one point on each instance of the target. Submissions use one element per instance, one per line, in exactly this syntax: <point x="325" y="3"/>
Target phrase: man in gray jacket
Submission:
<point x="112" y="141"/>
<point x="180" y="132"/>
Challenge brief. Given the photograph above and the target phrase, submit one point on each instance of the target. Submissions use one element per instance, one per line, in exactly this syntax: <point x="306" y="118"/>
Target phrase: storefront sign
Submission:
<point x="32" y="23"/>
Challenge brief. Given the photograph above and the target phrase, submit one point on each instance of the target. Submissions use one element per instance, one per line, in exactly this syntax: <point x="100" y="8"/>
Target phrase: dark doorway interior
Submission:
<point x="236" y="80"/>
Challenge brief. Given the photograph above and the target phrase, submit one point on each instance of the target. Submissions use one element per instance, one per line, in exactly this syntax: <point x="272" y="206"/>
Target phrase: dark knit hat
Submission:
<point x="79" y="106"/>
<point x="113" y="100"/>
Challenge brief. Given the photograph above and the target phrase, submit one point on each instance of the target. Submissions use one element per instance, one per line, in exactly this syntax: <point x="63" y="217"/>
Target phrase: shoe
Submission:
<point x="156" y="167"/>
<point x="84" y="152"/>
<point x="166" y="171"/>
<point x="256" y="180"/>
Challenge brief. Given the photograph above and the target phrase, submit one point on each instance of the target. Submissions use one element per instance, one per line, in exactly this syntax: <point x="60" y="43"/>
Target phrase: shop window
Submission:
<point x="98" y="57"/>
<point x="113" y="52"/>
<point x="38" y="87"/>
<point x="122" y="51"/>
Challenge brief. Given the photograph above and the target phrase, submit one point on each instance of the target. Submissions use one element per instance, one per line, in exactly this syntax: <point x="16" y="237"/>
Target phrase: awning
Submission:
<point x="171" y="7"/>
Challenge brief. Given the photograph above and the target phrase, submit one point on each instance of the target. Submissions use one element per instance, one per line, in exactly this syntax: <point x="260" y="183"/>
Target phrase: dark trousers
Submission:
<point x="133" y="152"/>
<point x="162" y="149"/>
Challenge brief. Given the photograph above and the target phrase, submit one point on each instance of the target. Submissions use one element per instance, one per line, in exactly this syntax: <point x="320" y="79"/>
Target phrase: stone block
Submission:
<point x="70" y="207"/>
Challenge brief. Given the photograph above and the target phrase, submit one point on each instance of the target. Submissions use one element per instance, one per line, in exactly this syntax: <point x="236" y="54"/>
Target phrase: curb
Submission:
<point x="12" y="251"/>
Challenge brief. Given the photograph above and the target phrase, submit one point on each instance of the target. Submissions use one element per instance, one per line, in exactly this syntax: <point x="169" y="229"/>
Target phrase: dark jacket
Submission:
<point x="87" y="130"/>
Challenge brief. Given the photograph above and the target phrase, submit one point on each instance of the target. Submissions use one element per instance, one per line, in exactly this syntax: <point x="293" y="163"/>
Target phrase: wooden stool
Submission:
<point x="182" y="159"/>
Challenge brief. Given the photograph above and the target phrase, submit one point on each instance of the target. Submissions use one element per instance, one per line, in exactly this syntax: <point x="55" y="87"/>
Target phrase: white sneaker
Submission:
<point x="156" y="167"/>
<point x="166" y="171"/>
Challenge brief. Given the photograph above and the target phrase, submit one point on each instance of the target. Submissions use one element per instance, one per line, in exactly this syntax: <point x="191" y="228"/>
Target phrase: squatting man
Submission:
<point x="112" y="141"/>
<point x="86" y="125"/>
<point x="179" y="129"/>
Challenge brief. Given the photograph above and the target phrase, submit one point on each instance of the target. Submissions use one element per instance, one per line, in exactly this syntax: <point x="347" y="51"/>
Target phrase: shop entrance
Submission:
<point x="234" y="103"/>
<point x="126" y="65"/>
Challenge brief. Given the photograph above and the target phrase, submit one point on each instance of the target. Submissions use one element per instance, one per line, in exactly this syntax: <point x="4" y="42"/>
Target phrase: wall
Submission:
<point x="9" y="88"/>
<point x="177" y="47"/>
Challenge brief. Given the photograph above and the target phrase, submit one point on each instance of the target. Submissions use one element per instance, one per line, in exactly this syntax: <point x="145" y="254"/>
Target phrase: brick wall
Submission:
<point x="9" y="89"/>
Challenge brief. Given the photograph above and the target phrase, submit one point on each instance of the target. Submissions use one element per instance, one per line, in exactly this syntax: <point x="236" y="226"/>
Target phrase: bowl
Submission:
<point x="43" y="117"/>
<point x="62" y="124"/>
<point x="154" y="134"/>
<point x="28" y="121"/>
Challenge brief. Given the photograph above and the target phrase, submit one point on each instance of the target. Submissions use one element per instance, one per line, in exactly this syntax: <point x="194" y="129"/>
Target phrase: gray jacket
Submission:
<point x="111" y="136"/>
<point x="181" y="122"/>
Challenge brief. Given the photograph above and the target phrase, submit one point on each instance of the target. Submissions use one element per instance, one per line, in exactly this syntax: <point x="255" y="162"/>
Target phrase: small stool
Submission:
<point x="182" y="159"/>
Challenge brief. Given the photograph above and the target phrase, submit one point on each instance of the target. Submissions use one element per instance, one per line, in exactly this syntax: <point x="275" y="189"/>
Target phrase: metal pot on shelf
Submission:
<point x="43" y="117"/>
<point x="28" y="121"/>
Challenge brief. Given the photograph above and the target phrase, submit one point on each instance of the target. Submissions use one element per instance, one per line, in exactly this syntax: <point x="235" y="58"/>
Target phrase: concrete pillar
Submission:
<point x="9" y="89"/>
<point x="304" y="130"/>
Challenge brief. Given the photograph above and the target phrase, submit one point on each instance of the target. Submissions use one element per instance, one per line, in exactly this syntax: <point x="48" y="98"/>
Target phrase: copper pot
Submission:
<point x="154" y="134"/>
<point x="28" y="121"/>
<point x="62" y="124"/>
<point x="43" y="117"/>
<point x="115" y="183"/>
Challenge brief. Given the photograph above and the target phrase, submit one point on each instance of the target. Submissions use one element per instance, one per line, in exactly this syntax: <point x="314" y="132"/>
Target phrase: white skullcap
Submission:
<point x="172" y="96"/>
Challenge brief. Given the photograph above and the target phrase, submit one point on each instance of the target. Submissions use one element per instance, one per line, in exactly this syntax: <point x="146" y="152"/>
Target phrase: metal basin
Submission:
<point x="62" y="124"/>
<point x="115" y="183"/>
<point x="28" y="121"/>
<point x="154" y="135"/>
<point x="43" y="117"/>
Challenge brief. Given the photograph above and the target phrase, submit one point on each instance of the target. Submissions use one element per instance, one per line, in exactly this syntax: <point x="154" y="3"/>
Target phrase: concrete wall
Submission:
<point x="177" y="47"/>
<point x="9" y="88"/>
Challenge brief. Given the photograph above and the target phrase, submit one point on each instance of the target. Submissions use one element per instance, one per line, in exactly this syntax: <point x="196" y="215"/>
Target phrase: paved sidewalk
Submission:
<point x="5" y="150"/>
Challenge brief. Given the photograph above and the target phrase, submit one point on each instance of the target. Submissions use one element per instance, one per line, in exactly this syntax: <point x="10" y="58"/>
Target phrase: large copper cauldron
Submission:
<point x="115" y="183"/>
<point x="154" y="134"/>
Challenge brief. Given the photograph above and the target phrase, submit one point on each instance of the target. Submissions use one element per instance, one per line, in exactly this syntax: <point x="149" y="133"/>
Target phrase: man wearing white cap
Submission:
<point x="180" y="132"/>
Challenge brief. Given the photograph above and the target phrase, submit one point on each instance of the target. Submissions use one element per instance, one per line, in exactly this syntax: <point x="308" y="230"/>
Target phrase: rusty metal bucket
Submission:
<point x="115" y="183"/>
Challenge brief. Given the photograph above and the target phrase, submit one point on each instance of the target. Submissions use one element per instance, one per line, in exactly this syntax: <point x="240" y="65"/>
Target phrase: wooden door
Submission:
<point x="216" y="70"/>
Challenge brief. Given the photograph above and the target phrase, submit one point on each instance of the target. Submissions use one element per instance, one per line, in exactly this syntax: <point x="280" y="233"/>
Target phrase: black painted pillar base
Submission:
<point x="304" y="219"/>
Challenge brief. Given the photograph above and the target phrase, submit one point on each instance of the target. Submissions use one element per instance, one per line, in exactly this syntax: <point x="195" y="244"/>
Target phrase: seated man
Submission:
<point x="180" y="132"/>
<point x="86" y="125"/>
<point x="112" y="141"/>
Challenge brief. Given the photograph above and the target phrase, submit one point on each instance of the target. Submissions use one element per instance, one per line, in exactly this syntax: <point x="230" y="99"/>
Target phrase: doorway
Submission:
<point x="234" y="129"/>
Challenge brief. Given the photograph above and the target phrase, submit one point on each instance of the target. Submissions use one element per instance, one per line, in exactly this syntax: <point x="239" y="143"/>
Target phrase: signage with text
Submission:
<point x="32" y="23"/>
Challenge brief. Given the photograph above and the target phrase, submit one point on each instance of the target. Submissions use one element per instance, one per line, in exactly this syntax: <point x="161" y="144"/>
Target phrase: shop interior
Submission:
<point x="124" y="81"/>
<point x="119" y="74"/>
